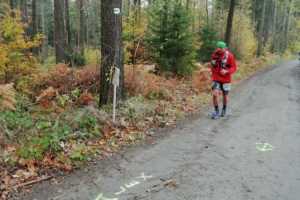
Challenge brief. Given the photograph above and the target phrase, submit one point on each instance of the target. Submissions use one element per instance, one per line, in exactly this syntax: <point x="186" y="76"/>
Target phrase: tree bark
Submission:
<point x="111" y="48"/>
<point x="59" y="31"/>
<point x="34" y="17"/>
<point x="34" y="23"/>
<point x="261" y="30"/>
<point x="274" y="27"/>
<point x="82" y="31"/>
<point x="24" y="11"/>
<point x="44" y="49"/>
<point x="137" y="10"/>
<point x="188" y="2"/>
<point x="68" y="27"/>
<point x="207" y="13"/>
<point x="12" y="4"/>
<point x="287" y="25"/>
<point x="229" y="22"/>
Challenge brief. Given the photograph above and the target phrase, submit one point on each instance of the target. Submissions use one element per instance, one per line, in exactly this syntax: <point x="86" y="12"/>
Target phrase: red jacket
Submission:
<point x="221" y="59"/>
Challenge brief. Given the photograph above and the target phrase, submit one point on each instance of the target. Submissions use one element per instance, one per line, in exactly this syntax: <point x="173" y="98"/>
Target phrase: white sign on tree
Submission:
<point x="117" y="11"/>
<point x="116" y="83"/>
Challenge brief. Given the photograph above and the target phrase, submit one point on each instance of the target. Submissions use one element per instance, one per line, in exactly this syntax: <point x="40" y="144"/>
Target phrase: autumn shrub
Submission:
<point x="201" y="79"/>
<point x="142" y="82"/>
<point x="16" y="59"/>
<point x="68" y="83"/>
<point x="7" y="97"/>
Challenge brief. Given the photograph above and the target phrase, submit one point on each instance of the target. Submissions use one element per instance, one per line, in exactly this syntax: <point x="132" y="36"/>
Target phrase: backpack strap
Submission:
<point x="225" y="59"/>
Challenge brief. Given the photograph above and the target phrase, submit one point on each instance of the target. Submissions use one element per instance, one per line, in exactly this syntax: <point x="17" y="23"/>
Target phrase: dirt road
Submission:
<point x="253" y="154"/>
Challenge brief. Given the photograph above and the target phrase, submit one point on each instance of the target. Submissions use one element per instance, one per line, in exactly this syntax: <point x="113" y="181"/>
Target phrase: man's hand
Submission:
<point x="224" y="71"/>
<point x="213" y="63"/>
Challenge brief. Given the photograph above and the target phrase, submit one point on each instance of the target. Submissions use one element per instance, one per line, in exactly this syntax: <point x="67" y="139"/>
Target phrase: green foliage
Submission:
<point x="88" y="126"/>
<point x="63" y="100"/>
<point x="208" y="38"/>
<point x="39" y="134"/>
<point x="16" y="119"/>
<point x="52" y="134"/>
<point x="134" y="29"/>
<point x="34" y="149"/>
<point x="294" y="36"/>
<point x="169" y="37"/>
<point x="79" y="152"/>
<point x="77" y="59"/>
<point x="92" y="56"/>
<point x="15" y="122"/>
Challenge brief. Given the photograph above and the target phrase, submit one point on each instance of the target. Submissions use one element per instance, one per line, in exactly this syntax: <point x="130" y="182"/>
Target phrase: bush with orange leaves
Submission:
<point x="201" y="79"/>
<point x="139" y="81"/>
<point x="65" y="79"/>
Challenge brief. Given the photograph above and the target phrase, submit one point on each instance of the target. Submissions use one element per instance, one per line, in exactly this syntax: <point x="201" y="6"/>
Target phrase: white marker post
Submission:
<point x="116" y="83"/>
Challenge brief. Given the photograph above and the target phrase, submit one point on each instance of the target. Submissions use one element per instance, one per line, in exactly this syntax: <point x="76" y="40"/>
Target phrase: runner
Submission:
<point x="223" y="65"/>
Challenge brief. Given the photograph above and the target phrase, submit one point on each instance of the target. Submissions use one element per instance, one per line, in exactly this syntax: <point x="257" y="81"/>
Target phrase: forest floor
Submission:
<point x="63" y="130"/>
<point x="252" y="154"/>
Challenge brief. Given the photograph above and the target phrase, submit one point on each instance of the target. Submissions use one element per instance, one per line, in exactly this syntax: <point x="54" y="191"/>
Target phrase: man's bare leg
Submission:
<point x="215" y="94"/>
<point x="225" y="103"/>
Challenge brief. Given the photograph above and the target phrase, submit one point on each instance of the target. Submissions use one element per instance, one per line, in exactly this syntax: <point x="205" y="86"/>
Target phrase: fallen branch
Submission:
<point x="32" y="182"/>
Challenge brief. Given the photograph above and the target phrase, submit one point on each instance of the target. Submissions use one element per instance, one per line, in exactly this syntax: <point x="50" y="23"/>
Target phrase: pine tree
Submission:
<point x="208" y="38"/>
<point x="170" y="38"/>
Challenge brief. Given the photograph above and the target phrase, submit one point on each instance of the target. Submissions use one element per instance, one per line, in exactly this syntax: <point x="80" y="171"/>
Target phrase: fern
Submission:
<point x="7" y="97"/>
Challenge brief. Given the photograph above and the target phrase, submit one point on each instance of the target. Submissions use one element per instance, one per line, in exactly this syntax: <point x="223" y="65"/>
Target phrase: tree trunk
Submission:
<point x="287" y="25"/>
<point x="24" y="11"/>
<point x="274" y="47"/>
<point x="34" y="23"/>
<point x="261" y="30"/>
<point x="59" y="31"/>
<point x="111" y="48"/>
<point x="44" y="50"/>
<point x="34" y="17"/>
<point x="207" y="13"/>
<point x="137" y="10"/>
<point x="68" y="27"/>
<point x="82" y="31"/>
<point x="229" y="22"/>
<point x="12" y="4"/>
<point x="188" y="2"/>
